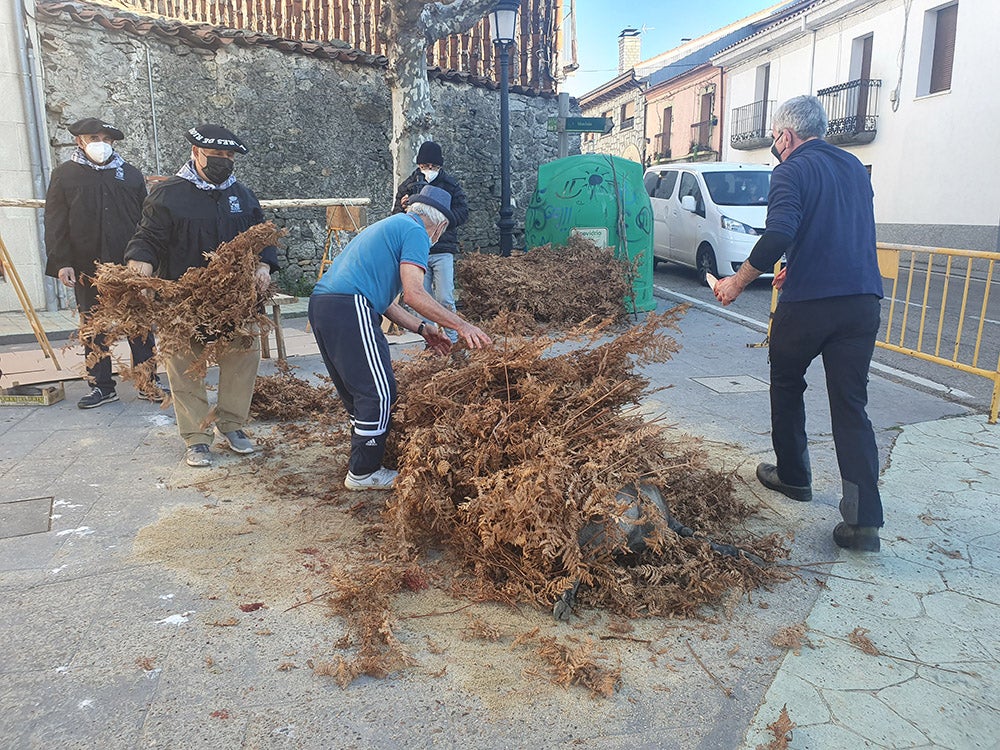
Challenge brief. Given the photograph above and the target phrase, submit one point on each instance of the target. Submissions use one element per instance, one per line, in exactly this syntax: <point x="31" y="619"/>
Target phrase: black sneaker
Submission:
<point x="858" y="538"/>
<point x="767" y="475"/>
<point x="97" y="397"/>
<point x="157" y="393"/>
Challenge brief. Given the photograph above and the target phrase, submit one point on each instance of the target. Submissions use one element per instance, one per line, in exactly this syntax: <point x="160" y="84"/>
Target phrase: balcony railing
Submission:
<point x="751" y="125"/>
<point x="853" y="111"/>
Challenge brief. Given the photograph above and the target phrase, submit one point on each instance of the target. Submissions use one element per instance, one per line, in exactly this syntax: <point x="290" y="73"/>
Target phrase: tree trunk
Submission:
<point x="408" y="27"/>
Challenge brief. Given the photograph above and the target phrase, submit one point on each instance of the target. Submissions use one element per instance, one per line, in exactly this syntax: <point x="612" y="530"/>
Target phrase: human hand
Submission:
<point x="263" y="277"/>
<point x="436" y="339"/>
<point x="405" y="199"/>
<point x="474" y="338"/>
<point x="779" y="278"/>
<point x="141" y="267"/>
<point x="727" y="289"/>
<point x="67" y="276"/>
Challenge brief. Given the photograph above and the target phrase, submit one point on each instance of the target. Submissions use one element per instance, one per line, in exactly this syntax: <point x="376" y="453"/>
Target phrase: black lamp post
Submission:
<point x="503" y="22"/>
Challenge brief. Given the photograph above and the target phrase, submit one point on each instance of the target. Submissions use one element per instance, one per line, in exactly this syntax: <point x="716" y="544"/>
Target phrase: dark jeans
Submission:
<point x="843" y="331"/>
<point x="100" y="374"/>
<point x="349" y="335"/>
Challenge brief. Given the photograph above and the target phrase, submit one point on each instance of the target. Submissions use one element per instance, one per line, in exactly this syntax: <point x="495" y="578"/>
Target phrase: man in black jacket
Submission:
<point x="92" y="207"/>
<point x="439" y="281"/>
<point x="186" y="216"/>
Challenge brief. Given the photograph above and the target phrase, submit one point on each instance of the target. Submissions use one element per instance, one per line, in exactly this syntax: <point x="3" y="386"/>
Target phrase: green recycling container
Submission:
<point x="602" y="198"/>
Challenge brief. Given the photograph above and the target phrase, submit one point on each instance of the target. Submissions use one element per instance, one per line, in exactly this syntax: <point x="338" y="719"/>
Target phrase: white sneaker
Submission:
<point x="382" y="479"/>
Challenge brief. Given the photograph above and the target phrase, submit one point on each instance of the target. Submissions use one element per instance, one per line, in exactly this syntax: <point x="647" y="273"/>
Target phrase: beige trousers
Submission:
<point x="237" y="374"/>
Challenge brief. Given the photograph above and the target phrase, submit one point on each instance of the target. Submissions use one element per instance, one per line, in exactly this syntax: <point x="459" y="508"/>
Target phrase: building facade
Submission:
<point x="903" y="82"/>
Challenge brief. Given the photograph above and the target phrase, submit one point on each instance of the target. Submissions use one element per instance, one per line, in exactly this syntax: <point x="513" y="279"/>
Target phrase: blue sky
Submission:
<point x="666" y="22"/>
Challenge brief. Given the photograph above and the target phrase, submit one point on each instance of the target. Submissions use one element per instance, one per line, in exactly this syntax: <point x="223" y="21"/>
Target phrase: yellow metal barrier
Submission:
<point x="906" y="263"/>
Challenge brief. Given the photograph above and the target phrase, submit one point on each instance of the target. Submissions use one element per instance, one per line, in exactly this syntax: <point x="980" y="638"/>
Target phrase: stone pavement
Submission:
<point x="107" y="646"/>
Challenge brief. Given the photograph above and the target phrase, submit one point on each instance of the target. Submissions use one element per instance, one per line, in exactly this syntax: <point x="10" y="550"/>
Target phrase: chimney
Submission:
<point x="628" y="49"/>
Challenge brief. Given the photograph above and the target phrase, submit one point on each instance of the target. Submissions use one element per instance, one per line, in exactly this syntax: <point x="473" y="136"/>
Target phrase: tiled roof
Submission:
<point x="206" y="36"/>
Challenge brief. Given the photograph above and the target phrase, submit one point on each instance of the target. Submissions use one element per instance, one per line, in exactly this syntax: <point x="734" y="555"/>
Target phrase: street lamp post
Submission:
<point x="503" y="22"/>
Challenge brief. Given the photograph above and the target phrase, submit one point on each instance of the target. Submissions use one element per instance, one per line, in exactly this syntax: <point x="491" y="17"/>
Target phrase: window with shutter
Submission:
<point x="944" y="49"/>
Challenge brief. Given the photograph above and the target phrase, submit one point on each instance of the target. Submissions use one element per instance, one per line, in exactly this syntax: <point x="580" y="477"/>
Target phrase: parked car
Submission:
<point x="708" y="215"/>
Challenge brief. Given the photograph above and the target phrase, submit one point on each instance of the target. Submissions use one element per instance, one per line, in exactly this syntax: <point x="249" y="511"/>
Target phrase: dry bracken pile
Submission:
<point x="218" y="304"/>
<point x="508" y="455"/>
<point x="550" y="285"/>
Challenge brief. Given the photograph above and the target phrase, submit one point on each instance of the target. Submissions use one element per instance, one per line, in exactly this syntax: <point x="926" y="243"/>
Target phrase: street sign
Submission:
<point x="583" y="125"/>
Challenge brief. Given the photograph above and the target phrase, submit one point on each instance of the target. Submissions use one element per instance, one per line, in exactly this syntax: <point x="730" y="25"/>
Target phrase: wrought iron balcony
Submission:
<point x="751" y="128"/>
<point x="853" y="111"/>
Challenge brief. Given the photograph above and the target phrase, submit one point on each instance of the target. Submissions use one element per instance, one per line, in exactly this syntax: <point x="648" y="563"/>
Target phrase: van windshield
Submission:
<point x="741" y="188"/>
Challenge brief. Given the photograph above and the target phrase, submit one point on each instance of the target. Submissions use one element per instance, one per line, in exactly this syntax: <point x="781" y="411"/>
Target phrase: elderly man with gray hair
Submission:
<point x="345" y="313"/>
<point x="820" y="216"/>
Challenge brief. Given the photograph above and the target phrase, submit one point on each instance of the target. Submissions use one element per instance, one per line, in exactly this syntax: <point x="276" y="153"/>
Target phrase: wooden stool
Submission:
<point x="340" y="219"/>
<point x="279" y="337"/>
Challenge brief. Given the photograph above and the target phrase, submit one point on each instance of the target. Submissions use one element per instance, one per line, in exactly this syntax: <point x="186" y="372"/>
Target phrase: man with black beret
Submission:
<point x="439" y="280"/>
<point x="92" y="208"/>
<point x="184" y="217"/>
<point x="345" y="313"/>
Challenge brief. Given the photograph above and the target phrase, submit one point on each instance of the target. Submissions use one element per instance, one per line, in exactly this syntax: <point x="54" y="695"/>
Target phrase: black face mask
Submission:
<point x="217" y="169"/>
<point x="774" y="150"/>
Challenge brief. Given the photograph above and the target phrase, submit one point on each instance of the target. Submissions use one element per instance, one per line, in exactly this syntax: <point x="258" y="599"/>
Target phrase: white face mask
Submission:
<point x="430" y="174"/>
<point x="99" y="151"/>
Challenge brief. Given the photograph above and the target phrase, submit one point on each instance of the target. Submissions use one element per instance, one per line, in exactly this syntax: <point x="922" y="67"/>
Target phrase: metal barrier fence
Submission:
<point x="916" y="266"/>
<point x="930" y="272"/>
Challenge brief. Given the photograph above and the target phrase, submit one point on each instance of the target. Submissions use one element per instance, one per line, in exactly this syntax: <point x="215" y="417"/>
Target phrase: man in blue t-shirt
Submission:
<point x="345" y="313"/>
<point x="820" y="217"/>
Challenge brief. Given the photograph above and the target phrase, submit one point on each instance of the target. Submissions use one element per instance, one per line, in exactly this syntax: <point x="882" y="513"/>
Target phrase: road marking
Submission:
<point x="716" y="309"/>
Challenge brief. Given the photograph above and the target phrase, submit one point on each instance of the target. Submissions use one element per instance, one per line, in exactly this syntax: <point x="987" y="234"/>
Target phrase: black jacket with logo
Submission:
<point x="180" y="223"/>
<point x="90" y="215"/>
<point x="459" y="205"/>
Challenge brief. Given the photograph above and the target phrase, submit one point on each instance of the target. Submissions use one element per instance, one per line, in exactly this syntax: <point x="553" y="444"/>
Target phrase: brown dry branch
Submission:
<point x="781" y="730"/>
<point x="550" y="285"/>
<point x="507" y="454"/>
<point x="363" y="598"/>
<point x="860" y="640"/>
<point x="218" y="304"/>
<point x="287" y="397"/>
<point x="792" y="638"/>
<point x="581" y="665"/>
<point x="477" y="629"/>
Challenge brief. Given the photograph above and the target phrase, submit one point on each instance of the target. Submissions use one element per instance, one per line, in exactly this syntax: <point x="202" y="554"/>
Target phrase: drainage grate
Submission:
<point x="734" y="384"/>
<point x="22" y="517"/>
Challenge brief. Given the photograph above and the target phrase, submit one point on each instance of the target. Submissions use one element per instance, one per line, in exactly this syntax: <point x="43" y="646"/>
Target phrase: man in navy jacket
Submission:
<point x="820" y="216"/>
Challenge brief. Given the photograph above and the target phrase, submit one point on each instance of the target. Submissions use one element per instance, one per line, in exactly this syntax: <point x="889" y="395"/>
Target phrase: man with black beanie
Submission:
<point x="440" y="278"/>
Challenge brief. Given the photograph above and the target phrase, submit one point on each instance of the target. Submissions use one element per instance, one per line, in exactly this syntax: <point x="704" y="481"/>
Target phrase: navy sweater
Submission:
<point x="821" y="197"/>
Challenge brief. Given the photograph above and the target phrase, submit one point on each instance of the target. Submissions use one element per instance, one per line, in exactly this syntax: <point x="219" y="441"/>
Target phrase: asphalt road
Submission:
<point x="753" y="306"/>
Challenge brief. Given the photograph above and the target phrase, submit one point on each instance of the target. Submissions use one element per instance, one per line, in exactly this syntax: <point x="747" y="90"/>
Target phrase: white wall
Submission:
<point x="936" y="159"/>
<point x="18" y="226"/>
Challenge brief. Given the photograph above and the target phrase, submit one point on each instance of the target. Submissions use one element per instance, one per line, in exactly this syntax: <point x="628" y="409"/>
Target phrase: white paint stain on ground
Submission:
<point x="56" y="570"/>
<point x="175" y="619"/>
<point x="82" y="531"/>
<point x="65" y="504"/>
<point x="54" y="516"/>
<point x="85" y="703"/>
<point x="166" y="596"/>
<point x="160" y="420"/>
<point x="63" y="669"/>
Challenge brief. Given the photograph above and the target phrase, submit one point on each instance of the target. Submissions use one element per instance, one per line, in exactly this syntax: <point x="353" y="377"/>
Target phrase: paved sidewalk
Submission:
<point x="109" y="644"/>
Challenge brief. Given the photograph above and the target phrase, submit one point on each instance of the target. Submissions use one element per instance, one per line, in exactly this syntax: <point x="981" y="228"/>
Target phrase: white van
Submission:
<point x="707" y="215"/>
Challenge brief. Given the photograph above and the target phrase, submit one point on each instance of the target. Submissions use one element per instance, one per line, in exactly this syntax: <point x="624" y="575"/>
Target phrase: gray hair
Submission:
<point x="422" y="209"/>
<point x="803" y="115"/>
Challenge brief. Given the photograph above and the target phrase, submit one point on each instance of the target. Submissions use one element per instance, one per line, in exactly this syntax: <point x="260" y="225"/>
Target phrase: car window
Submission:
<point x="666" y="187"/>
<point x="742" y="188"/>
<point x="689" y="186"/>
<point x="649" y="182"/>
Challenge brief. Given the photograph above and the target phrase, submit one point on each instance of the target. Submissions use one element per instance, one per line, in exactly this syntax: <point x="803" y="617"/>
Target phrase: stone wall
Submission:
<point x="316" y="127"/>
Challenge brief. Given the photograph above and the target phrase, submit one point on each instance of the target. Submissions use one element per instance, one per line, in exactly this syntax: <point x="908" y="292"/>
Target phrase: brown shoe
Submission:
<point x="767" y="475"/>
